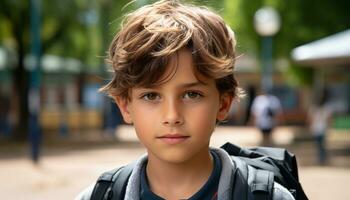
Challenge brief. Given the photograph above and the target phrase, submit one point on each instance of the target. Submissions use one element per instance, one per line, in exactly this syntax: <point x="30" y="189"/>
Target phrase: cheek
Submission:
<point x="143" y="125"/>
<point x="203" y="117"/>
<point x="140" y="110"/>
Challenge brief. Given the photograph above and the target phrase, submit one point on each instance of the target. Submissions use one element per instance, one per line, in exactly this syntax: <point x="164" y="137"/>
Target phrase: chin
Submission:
<point x="174" y="157"/>
<point x="177" y="160"/>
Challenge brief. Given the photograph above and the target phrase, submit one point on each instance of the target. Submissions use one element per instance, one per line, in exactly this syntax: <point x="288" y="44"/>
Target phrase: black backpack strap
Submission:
<point x="258" y="164"/>
<point x="240" y="181"/>
<point x="112" y="184"/>
<point x="261" y="185"/>
<point x="251" y="183"/>
<point x="121" y="181"/>
<point x="102" y="184"/>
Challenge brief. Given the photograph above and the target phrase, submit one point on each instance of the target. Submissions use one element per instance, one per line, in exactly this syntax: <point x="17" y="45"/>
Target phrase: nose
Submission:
<point x="172" y="114"/>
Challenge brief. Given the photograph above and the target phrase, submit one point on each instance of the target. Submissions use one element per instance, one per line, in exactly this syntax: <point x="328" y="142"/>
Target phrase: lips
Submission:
<point x="173" y="138"/>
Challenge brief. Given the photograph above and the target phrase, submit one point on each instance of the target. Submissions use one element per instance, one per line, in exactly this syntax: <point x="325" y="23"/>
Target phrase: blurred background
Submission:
<point x="57" y="133"/>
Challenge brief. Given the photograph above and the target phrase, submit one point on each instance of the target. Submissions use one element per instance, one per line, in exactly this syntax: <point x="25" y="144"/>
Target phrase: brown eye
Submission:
<point x="192" y="95"/>
<point x="152" y="96"/>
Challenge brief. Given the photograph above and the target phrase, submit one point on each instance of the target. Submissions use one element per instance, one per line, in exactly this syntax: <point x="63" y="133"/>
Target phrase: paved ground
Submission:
<point x="64" y="170"/>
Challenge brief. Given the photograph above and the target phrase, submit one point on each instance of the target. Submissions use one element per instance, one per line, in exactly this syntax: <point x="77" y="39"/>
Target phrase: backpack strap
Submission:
<point x="121" y="181"/>
<point x="262" y="183"/>
<point x="251" y="183"/>
<point x="258" y="164"/>
<point x="112" y="184"/>
<point x="240" y="180"/>
<point x="102" y="184"/>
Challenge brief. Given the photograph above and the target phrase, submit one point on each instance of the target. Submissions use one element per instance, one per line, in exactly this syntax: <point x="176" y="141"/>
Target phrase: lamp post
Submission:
<point x="34" y="90"/>
<point x="267" y="24"/>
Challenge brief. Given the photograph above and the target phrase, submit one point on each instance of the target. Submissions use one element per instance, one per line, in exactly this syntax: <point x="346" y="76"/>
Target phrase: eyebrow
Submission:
<point x="193" y="84"/>
<point x="183" y="85"/>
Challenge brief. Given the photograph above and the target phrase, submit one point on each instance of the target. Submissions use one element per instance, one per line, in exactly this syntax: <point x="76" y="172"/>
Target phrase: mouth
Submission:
<point x="173" y="138"/>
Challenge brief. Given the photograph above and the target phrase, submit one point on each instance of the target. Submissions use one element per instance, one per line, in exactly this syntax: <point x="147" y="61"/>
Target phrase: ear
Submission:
<point x="123" y="104"/>
<point x="225" y="105"/>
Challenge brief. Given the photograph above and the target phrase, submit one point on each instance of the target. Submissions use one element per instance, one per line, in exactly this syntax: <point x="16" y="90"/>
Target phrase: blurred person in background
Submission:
<point x="266" y="110"/>
<point x="319" y="118"/>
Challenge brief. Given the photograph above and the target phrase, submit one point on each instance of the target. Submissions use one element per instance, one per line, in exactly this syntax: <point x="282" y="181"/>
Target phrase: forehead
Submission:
<point x="181" y="70"/>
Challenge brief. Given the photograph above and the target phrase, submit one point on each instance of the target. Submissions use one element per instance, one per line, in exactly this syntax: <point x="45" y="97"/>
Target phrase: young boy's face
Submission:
<point x="175" y="120"/>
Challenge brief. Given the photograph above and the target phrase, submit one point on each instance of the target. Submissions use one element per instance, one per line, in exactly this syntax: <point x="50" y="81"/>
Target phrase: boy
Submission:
<point x="173" y="80"/>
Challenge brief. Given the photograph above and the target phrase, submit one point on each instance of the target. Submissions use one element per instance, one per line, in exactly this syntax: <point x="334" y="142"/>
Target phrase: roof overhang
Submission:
<point x="333" y="50"/>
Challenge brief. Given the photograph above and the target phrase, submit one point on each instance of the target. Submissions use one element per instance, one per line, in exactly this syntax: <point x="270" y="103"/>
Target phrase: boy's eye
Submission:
<point x="192" y="95"/>
<point x="152" y="96"/>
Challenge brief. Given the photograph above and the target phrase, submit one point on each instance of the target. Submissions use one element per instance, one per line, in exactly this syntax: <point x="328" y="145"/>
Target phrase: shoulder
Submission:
<point x="281" y="193"/>
<point x="86" y="193"/>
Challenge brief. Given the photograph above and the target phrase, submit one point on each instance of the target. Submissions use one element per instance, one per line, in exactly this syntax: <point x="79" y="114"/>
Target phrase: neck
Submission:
<point x="179" y="180"/>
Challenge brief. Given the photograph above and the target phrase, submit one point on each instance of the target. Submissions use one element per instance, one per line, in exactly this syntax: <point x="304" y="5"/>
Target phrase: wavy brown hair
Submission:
<point x="151" y="36"/>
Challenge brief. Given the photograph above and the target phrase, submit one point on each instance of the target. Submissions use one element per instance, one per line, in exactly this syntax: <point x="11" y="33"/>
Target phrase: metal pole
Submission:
<point x="34" y="87"/>
<point x="267" y="62"/>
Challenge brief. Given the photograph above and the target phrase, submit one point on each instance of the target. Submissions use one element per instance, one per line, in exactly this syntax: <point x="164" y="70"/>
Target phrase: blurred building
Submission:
<point x="69" y="99"/>
<point x="330" y="58"/>
<point x="71" y="102"/>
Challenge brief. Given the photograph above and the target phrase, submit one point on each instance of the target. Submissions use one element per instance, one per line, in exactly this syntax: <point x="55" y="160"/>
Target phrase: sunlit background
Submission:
<point x="58" y="133"/>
